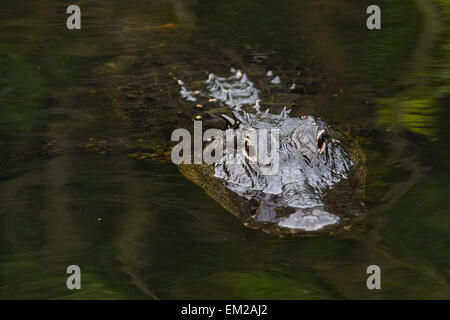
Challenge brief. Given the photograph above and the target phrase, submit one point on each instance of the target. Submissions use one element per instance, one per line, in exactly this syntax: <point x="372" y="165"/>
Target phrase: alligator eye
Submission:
<point x="321" y="141"/>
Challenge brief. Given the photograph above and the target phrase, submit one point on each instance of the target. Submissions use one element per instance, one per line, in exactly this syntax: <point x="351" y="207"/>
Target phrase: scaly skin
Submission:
<point x="342" y="198"/>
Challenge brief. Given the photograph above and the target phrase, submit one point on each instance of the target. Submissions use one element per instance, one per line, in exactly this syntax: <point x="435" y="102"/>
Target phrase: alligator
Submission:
<point x="318" y="187"/>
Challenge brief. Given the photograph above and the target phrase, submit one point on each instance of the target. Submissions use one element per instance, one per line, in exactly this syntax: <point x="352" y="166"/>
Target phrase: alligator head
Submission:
<point x="314" y="185"/>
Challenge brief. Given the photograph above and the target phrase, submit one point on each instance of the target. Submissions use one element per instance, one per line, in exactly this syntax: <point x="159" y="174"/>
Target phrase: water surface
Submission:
<point x="138" y="229"/>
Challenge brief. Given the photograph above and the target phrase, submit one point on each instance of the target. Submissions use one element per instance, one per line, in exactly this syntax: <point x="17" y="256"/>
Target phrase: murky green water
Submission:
<point x="139" y="229"/>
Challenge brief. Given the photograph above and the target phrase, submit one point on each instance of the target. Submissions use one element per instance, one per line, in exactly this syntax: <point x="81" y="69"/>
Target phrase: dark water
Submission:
<point x="139" y="229"/>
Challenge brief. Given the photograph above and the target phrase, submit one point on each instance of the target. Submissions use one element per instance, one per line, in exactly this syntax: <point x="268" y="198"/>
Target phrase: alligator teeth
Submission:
<point x="319" y="135"/>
